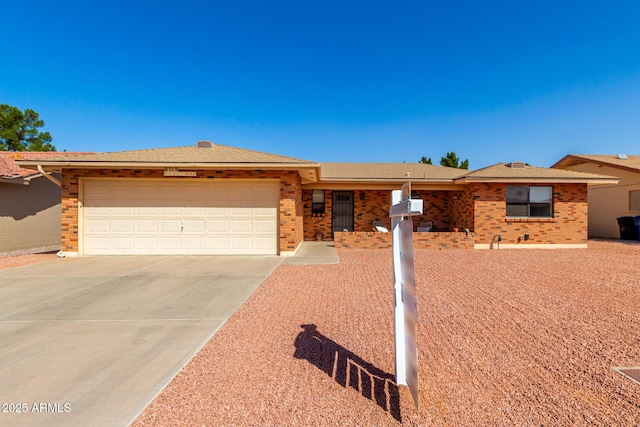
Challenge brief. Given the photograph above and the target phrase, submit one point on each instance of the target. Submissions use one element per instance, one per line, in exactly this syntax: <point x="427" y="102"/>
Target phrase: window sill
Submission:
<point x="527" y="219"/>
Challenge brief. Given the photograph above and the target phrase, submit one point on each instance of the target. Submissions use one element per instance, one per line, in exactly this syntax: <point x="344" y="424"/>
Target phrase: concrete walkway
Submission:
<point x="92" y="340"/>
<point x="314" y="252"/>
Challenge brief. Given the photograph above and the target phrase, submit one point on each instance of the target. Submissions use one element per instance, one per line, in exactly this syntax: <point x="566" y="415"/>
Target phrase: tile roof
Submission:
<point x="216" y="153"/>
<point x="630" y="163"/>
<point x="9" y="169"/>
<point x="504" y="171"/>
<point x="388" y="171"/>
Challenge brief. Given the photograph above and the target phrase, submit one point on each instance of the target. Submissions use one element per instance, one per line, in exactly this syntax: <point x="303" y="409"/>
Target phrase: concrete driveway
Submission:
<point x="92" y="340"/>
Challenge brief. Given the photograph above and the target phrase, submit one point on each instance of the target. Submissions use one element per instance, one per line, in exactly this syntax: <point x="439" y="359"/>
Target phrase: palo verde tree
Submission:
<point x="19" y="130"/>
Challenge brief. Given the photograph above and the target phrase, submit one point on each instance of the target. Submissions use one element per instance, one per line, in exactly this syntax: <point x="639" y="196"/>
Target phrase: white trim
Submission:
<point x="293" y="252"/>
<point x="64" y="254"/>
<point x="532" y="246"/>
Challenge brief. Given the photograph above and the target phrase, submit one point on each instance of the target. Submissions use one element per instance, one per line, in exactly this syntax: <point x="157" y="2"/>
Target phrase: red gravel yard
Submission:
<point x="505" y="337"/>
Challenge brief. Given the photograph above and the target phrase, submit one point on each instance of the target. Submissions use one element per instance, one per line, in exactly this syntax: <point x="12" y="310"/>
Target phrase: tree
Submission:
<point x="425" y="160"/>
<point x="452" y="161"/>
<point x="19" y="130"/>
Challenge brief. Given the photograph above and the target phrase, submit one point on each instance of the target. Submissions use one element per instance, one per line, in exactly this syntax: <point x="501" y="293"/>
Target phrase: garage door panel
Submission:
<point x="123" y="244"/>
<point x="265" y="212"/>
<point x="241" y="211"/>
<point x="241" y="226"/>
<point x="223" y="212"/>
<point x="147" y="244"/>
<point x="241" y="243"/>
<point x="98" y="243"/>
<point x="123" y="226"/>
<point x="97" y="211"/>
<point x="195" y="243"/>
<point x="128" y="216"/>
<point x="265" y="244"/>
<point x="97" y="226"/>
<point x="170" y="226"/>
<point x="218" y="226"/>
<point x="122" y="211"/>
<point x="172" y="243"/>
<point x="194" y="226"/>
<point x="147" y="210"/>
<point x="265" y="226"/>
<point x="218" y="244"/>
<point x="197" y="211"/>
<point x="171" y="211"/>
<point x="146" y="226"/>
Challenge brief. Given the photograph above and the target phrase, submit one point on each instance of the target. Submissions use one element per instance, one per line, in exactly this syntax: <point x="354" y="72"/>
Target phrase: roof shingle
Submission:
<point x="388" y="171"/>
<point x="505" y="171"/>
<point x="9" y="169"/>
<point x="186" y="154"/>
<point x="630" y="163"/>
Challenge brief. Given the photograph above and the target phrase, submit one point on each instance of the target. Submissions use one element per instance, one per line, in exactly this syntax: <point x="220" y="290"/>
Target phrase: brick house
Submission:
<point x="215" y="199"/>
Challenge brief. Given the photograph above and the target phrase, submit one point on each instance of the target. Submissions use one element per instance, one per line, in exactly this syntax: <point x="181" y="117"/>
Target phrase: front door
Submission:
<point x="342" y="211"/>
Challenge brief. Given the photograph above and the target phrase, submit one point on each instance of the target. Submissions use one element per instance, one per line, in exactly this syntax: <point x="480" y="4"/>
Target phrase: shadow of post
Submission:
<point x="346" y="368"/>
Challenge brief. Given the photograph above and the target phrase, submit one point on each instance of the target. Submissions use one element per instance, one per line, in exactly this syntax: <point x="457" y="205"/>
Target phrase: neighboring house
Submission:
<point x="611" y="201"/>
<point x="216" y="199"/>
<point x="29" y="205"/>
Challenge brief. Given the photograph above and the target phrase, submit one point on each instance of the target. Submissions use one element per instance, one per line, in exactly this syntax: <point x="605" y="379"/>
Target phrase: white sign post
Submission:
<point x="404" y="282"/>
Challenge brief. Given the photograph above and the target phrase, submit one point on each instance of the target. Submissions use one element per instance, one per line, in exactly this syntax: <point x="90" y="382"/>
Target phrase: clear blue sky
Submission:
<point x="331" y="80"/>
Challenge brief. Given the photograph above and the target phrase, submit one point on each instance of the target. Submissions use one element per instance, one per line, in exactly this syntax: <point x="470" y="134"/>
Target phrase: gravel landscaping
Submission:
<point x="505" y="337"/>
<point x="30" y="256"/>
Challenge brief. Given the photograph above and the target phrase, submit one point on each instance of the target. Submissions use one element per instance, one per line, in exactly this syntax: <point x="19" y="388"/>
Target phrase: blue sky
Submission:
<point x="331" y="80"/>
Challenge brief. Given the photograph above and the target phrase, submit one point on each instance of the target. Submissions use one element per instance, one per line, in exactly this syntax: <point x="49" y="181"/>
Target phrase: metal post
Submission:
<point x="401" y="367"/>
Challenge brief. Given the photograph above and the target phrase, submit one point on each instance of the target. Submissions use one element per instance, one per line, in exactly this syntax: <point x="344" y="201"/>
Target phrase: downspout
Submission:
<point x="49" y="177"/>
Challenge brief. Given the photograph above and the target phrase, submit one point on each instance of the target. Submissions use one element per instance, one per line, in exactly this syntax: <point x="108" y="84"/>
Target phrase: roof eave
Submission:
<point x="19" y="180"/>
<point x="31" y="164"/>
<point x="308" y="171"/>
<point x="589" y="181"/>
<point x="389" y="180"/>
<point x="572" y="160"/>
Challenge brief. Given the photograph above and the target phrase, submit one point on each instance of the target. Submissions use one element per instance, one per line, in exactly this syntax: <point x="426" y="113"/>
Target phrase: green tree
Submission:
<point x="425" y="160"/>
<point x="19" y="130"/>
<point x="452" y="161"/>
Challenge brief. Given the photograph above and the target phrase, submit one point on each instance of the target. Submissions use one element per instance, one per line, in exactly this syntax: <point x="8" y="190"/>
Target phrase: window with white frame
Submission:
<point x="529" y="201"/>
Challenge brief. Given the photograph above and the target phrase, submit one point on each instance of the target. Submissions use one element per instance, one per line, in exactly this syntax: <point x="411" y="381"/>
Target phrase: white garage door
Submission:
<point x="170" y="217"/>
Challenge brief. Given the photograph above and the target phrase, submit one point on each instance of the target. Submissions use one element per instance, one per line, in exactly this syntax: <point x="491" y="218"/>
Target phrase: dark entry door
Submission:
<point x="342" y="211"/>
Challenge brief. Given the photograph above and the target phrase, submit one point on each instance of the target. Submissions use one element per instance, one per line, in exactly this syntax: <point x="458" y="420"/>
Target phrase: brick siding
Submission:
<point x="291" y="205"/>
<point x="568" y="225"/>
<point x="373" y="205"/>
<point x="430" y="240"/>
<point x="479" y="208"/>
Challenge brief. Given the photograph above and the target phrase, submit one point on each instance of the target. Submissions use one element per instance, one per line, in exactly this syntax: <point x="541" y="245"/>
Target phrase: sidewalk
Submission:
<point x="313" y="253"/>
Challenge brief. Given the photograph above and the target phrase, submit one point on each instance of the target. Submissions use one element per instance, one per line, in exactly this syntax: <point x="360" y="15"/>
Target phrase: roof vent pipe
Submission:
<point x="204" y="144"/>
